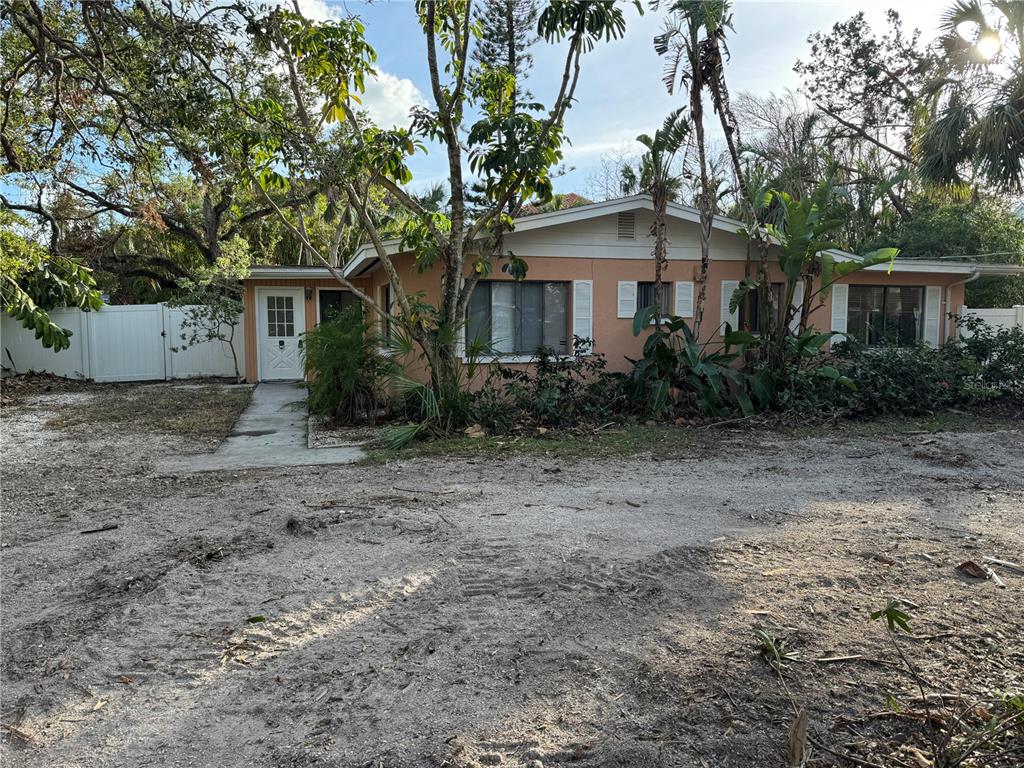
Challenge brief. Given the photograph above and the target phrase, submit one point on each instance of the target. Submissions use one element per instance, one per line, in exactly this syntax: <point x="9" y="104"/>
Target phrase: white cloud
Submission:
<point x="388" y="99"/>
<point x="315" y="10"/>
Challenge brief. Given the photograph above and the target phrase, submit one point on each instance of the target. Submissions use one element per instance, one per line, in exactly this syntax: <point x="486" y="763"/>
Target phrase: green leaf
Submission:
<point x="256" y="619"/>
<point x="895" y="617"/>
<point x="642" y="319"/>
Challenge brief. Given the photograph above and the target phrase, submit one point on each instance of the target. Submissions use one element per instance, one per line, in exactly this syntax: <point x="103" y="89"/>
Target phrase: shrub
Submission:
<point x="554" y="391"/>
<point x="678" y="373"/>
<point x="997" y="355"/>
<point x="346" y="372"/>
<point x="917" y="379"/>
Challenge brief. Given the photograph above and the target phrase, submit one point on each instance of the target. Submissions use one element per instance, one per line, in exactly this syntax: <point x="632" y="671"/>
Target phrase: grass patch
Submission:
<point x="895" y="426"/>
<point x="614" y="441"/>
<point x="202" y="413"/>
<point x="625" y="440"/>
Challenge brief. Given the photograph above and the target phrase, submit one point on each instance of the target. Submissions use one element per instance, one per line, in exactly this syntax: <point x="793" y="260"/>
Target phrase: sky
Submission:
<point x="621" y="93"/>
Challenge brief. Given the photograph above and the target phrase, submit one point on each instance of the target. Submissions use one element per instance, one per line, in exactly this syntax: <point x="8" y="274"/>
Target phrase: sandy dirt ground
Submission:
<point x="522" y="612"/>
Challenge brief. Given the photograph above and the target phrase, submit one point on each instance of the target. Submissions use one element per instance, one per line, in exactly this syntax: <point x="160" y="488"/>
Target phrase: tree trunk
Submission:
<point x="705" y="198"/>
<point x="660" y="248"/>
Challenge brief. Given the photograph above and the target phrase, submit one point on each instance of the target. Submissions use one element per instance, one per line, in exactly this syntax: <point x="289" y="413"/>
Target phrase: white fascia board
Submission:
<point x="1000" y="269"/>
<point x="366" y="254"/>
<point x="287" y="273"/>
<point x="920" y="265"/>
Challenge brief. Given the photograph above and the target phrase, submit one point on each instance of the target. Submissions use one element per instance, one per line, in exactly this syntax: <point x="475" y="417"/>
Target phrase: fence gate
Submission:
<point x="126" y="343"/>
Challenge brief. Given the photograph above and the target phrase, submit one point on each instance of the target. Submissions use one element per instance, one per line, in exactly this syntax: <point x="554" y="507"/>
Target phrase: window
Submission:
<point x="333" y="303"/>
<point x="877" y="313"/>
<point x="519" y="318"/>
<point x="750" y="308"/>
<point x="280" y="316"/>
<point x="645" y="296"/>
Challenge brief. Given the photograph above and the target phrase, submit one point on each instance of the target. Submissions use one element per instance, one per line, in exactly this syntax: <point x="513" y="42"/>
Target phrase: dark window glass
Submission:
<point x="386" y="301"/>
<point x="645" y="296"/>
<point x="885" y="314"/>
<point x="750" y="307"/>
<point x="333" y="303"/>
<point x="519" y="318"/>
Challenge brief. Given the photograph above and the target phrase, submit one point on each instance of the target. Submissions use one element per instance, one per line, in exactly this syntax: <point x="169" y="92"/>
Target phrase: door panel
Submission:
<point x="281" y="324"/>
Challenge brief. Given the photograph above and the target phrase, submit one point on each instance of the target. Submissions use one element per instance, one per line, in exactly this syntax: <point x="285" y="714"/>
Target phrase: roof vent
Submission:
<point x="627" y="226"/>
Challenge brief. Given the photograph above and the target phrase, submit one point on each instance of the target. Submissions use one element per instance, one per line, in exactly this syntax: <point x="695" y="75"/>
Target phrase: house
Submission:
<point x="590" y="267"/>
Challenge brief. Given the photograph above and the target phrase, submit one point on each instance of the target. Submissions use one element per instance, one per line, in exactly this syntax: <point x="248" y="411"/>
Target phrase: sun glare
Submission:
<point x="988" y="46"/>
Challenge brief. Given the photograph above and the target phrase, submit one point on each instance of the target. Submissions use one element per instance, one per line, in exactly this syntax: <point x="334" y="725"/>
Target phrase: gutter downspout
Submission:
<point x="949" y="298"/>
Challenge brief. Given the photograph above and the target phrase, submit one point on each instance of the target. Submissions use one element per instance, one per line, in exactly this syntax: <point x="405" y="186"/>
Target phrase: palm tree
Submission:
<point x="682" y="38"/>
<point x="974" y="105"/>
<point x="694" y="41"/>
<point x="658" y="175"/>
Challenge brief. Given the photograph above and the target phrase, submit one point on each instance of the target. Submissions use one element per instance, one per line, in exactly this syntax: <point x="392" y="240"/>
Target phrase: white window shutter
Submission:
<point x="583" y="310"/>
<point x="798" y="305"/>
<point x="627" y="299"/>
<point x="932" y="300"/>
<point x="840" y="303"/>
<point x="684" y="299"/>
<point x="732" y="318"/>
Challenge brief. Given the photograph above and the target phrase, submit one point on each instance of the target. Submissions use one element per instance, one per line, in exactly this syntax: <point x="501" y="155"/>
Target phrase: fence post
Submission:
<point x="1019" y="310"/>
<point x="165" y="324"/>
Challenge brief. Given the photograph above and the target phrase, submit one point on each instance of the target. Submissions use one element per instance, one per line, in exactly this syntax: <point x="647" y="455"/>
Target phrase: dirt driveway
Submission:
<point x="461" y="612"/>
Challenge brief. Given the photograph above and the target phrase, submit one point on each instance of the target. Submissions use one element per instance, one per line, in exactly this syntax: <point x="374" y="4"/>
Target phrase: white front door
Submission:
<point x="282" y="320"/>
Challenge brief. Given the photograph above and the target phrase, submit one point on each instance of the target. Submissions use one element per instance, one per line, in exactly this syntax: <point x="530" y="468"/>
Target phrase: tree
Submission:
<point x="681" y="40"/>
<point x="107" y="106"/>
<point x="471" y="110"/>
<point x="984" y="229"/>
<point x="659" y="176"/>
<point x="974" y="127"/>
<point x="802" y="235"/>
<point x="34" y="281"/>
<point x="694" y="41"/>
<point x="508" y="32"/>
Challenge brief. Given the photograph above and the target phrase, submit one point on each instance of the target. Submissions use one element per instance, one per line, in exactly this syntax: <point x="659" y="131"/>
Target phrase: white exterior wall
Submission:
<point x="119" y="343"/>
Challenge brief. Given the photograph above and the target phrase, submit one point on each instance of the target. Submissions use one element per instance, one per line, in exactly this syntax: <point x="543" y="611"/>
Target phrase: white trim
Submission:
<point x="683" y="306"/>
<point x="265" y="272"/>
<point x="729" y="287"/>
<point x="932" y="315"/>
<point x="840" y="309"/>
<point x="625" y="304"/>
<point x="582" y="324"/>
<point x="261" y="289"/>
<point x="798" y="306"/>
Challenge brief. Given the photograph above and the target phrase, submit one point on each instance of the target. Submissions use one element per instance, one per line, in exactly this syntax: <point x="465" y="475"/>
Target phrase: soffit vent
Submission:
<point x="627" y="226"/>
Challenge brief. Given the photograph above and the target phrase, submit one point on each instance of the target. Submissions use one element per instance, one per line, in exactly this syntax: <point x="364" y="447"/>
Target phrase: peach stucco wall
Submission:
<point x="613" y="336"/>
<point x="249" y="307"/>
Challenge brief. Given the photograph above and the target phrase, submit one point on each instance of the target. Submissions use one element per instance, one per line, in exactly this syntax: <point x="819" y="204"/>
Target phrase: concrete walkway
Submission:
<point x="271" y="432"/>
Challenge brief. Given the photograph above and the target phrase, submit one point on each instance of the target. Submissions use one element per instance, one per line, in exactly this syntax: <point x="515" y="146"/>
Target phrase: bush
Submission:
<point x="553" y="392"/>
<point x="918" y="379"/>
<point x="347" y="375"/>
<point x="997" y="355"/>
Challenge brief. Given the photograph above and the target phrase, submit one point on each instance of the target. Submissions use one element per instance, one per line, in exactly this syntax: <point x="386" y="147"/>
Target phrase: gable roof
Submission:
<point x="366" y="257"/>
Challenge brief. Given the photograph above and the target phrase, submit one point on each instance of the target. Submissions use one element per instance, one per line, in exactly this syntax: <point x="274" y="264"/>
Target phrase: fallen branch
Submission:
<point x="28" y="739"/>
<point x="1005" y="564"/>
<point x="100" y="530"/>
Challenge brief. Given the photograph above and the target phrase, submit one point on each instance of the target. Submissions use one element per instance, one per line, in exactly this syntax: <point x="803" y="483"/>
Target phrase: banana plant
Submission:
<point x="675" y="365"/>
<point x="802" y="235"/>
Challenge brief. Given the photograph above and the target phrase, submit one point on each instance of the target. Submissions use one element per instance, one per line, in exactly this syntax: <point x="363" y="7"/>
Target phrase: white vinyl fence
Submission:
<point x="122" y="343"/>
<point x="997" y="318"/>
